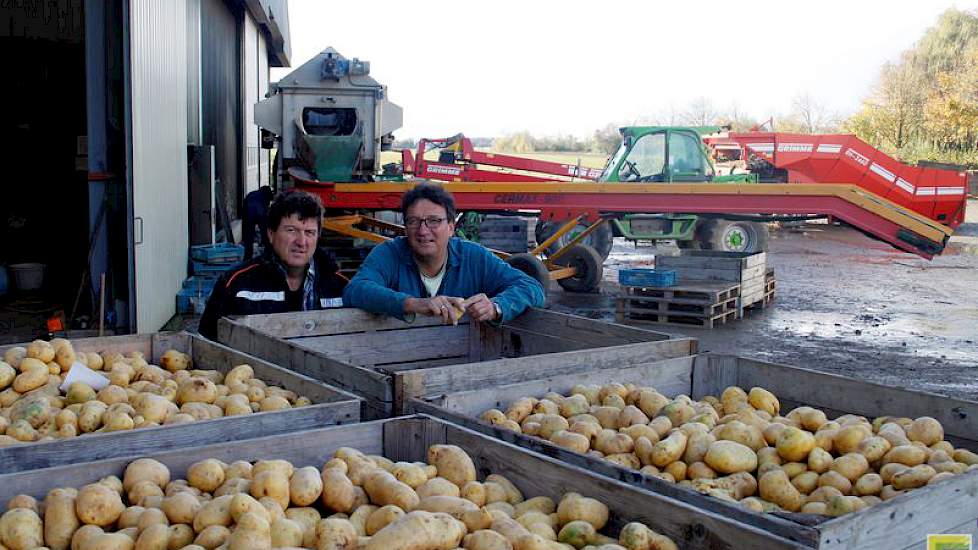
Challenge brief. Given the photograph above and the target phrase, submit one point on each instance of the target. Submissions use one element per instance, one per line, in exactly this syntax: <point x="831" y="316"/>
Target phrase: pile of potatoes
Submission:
<point x="140" y="395"/>
<point x="739" y="447"/>
<point x="353" y="502"/>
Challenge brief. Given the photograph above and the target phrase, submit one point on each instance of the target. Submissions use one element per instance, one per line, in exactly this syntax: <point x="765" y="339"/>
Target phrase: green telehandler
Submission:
<point x="666" y="154"/>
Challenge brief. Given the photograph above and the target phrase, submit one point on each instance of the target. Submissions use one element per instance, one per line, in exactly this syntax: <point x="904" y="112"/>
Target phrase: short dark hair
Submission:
<point x="305" y="205"/>
<point x="432" y="192"/>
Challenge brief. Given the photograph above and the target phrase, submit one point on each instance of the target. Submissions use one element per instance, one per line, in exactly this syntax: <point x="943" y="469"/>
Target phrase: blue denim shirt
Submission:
<point x="389" y="275"/>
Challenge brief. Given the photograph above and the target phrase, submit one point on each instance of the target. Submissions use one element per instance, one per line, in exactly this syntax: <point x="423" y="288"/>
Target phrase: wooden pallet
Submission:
<point x="693" y="303"/>
<point x="709" y="291"/>
<point x="676" y="320"/>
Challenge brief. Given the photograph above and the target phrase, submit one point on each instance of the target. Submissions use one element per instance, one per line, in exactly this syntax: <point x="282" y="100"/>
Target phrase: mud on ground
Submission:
<point x="845" y="304"/>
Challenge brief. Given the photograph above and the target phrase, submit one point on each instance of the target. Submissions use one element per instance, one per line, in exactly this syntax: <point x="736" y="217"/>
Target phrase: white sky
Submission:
<point x="492" y="68"/>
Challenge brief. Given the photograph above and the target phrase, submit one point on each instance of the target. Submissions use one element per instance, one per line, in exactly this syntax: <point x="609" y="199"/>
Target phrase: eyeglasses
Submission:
<point x="433" y="222"/>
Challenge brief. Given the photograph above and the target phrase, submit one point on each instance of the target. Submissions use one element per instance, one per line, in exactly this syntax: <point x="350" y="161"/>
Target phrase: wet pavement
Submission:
<point x="845" y="304"/>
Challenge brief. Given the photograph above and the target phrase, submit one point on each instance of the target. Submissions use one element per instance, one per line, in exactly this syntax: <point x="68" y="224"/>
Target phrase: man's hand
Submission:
<point x="480" y="308"/>
<point x="449" y="308"/>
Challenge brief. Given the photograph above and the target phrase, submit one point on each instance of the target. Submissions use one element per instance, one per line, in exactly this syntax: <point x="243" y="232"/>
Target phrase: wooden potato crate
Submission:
<point x="903" y="522"/>
<point x="330" y="406"/>
<point x="386" y="360"/>
<point x="407" y="439"/>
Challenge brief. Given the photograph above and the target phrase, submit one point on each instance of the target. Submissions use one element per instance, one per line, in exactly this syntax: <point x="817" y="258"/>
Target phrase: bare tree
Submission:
<point x="700" y="112"/>
<point x="810" y="114"/>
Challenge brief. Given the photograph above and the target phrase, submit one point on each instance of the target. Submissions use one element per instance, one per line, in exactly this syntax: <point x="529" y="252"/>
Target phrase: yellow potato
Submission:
<point x="669" y="449"/>
<point x="287" y="533"/>
<point x="418" y="529"/>
<point x="21" y="529"/>
<point x="305" y="486"/>
<point x="98" y="505"/>
<point x="805" y="482"/>
<point x="763" y="400"/>
<point x="914" y="477"/>
<point x="109" y="541"/>
<point x="819" y="460"/>
<point x="742" y="433"/>
<point x="852" y="466"/>
<point x="909" y="455"/>
<point x="572" y="441"/>
<point x="383" y="488"/>
<point x="728" y="457"/>
<point x="832" y="478"/>
<point x="794" y="444"/>
<point x="271" y="483"/>
<point x="155" y="537"/>
<point x="733" y="399"/>
<point x="252" y="532"/>
<point x="926" y="430"/>
<point x="31" y="378"/>
<point x="485" y="540"/>
<point x="214" y="512"/>
<point x="575" y="507"/>
<point x="60" y="519"/>
<point x="868" y="484"/>
<point x="775" y="487"/>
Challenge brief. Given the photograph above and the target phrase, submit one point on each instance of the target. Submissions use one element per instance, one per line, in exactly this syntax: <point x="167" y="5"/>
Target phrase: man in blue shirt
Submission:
<point x="429" y="272"/>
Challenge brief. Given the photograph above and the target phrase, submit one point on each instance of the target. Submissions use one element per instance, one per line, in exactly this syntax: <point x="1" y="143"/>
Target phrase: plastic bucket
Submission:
<point x="29" y="276"/>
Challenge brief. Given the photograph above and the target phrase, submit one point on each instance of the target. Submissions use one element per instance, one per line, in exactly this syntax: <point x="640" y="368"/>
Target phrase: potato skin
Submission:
<point x="775" y="487"/>
<point x="305" y="486"/>
<point x="60" y="520"/>
<point x="575" y="507"/>
<point x="21" y="529"/>
<point x="98" y="505"/>
<point x="452" y="463"/>
<point x="729" y="457"/>
<point x="419" y="530"/>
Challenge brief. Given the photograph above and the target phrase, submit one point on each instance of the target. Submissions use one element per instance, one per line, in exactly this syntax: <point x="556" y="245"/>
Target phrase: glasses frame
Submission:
<point x="431" y="222"/>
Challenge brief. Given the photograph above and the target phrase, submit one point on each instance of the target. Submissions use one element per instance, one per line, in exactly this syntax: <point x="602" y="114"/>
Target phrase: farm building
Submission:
<point x="128" y="136"/>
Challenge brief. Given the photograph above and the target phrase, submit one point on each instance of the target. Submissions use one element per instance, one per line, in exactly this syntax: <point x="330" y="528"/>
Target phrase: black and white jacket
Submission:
<point x="259" y="286"/>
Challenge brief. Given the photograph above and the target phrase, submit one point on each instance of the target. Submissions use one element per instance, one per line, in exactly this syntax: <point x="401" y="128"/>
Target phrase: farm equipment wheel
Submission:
<point x="532" y="266"/>
<point x="601" y="239"/>
<point x="735" y="236"/>
<point x="588" y="264"/>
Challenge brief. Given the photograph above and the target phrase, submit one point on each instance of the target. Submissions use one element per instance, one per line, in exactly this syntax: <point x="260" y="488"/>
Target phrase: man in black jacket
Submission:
<point x="293" y="275"/>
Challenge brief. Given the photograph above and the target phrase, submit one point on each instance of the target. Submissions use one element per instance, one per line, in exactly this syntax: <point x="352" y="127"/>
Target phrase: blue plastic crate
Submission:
<point x="192" y="301"/>
<point x="210" y="270"/>
<point x="217" y="253"/>
<point x="198" y="283"/>
<point x="646" y="277"/>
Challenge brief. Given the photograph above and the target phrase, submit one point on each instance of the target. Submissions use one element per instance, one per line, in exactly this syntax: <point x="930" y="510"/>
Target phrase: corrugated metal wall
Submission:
<point x="221" y="96"/>
<point x="250" y="64"/>
<point x="158" y="83"/>
<point x="264" y="155"/>
<point x="193" y="72"/>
